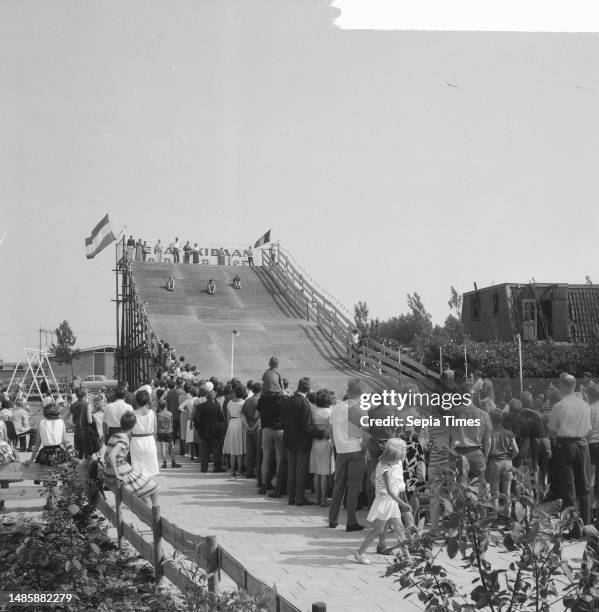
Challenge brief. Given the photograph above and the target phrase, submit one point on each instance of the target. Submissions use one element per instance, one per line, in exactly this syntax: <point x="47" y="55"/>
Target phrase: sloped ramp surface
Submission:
<point x="200" y="326"/>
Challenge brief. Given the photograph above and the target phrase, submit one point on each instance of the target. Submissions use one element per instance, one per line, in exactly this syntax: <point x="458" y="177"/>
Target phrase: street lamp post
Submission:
<point x="233" y="334"/>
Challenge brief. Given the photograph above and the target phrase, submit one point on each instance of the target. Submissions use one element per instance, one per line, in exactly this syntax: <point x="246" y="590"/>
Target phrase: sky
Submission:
<point x="387" y="162"/>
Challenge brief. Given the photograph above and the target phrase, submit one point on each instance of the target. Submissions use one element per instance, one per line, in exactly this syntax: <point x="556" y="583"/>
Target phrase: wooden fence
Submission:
<point x="203" y="551"/>
<point x="370" y="356"/>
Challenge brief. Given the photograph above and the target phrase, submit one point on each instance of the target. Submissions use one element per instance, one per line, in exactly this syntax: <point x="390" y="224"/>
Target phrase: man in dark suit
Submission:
<point x="297" y="439"/>
<point x="79" y="416"/>
<point x="209" y="419"/>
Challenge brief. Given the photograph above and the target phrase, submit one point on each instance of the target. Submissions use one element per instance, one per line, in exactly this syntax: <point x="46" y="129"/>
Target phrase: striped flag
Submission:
<point x="263" y="240"/>
<point x="101" y="237"/>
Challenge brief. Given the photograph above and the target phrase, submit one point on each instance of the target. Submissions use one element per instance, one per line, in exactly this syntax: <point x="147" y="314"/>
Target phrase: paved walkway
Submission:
<point x="290" y="547"/>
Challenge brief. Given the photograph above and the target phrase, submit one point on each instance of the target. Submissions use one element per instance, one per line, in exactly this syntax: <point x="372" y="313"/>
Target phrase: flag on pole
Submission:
<point x="263" y="240"/>
<point x="101" y="237"/>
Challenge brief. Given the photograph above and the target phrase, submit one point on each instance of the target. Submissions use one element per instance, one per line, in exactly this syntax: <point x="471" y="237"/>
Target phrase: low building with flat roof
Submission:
<point x="538" y="311"/>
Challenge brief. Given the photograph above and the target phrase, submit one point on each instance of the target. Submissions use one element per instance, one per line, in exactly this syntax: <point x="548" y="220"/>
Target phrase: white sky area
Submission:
<point x="470" y="15"/>
<point x="387" y="162"/>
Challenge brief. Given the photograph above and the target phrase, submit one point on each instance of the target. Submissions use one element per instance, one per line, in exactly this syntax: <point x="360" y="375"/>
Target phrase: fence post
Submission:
<point x="118" y="501"/>
<point x="212" y="568"/>
<point x="157" y="541"/>
<point x="319" y="606"/>
<point x="399" y="362"/>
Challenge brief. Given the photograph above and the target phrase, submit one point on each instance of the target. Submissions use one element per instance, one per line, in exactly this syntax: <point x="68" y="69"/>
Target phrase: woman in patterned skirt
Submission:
<point x="414" y="462"/>
<point x="119" y="471"/>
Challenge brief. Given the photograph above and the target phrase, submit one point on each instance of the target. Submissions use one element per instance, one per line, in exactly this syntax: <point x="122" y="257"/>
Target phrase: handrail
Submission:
<point x="309" y="297"/>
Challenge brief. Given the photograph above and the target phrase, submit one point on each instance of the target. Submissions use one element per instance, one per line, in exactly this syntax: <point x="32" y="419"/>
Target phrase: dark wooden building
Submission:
<point x="537" y="311"/>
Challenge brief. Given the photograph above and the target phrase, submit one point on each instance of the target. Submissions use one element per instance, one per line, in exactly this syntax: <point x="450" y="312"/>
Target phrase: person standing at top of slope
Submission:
<point x="176" y="248"/>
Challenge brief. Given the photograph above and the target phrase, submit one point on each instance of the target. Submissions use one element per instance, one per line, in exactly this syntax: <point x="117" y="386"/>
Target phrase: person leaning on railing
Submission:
<point x="118" y="471"/>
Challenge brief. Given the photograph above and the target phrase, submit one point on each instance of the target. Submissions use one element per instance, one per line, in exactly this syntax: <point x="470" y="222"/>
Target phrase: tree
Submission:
<point x="361" y="317"/>
<point x="62" y="349"/>
<point x="453" y="328"/>
<point x="455" y="303"/>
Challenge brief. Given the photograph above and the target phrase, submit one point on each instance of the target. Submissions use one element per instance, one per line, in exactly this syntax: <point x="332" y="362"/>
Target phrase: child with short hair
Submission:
<point x="390" y="503"/>
<point x="499" y="465"/>
<point x="164" y="433"/>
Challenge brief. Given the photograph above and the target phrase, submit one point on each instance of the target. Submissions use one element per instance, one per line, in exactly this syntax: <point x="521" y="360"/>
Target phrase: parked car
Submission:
<point x="95" y="382"/>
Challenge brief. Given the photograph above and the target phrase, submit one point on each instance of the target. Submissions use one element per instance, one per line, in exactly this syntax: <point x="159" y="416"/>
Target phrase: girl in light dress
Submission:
<point x="144" y="456"/>
<point x="390" y="503"/>
<point x="322" y="462"/>
<point x="234" y="444"/>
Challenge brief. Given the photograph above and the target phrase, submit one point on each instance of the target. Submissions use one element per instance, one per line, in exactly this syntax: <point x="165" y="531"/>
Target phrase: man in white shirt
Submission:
<point x="350" y="462"/>
<point x="114" y="411"/>
<point x="570" y="419"/>
<point x="176" y="251"/>
<point x="250" y="253"/>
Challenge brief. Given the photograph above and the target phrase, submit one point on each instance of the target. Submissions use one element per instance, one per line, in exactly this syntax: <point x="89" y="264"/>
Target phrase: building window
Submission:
<point x="495" y="305"/>
<point x="529" y="310"/>
<point x="474" y="308"/>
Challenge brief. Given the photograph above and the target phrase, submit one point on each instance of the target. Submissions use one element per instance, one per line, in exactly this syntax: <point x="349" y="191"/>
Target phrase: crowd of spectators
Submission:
<point x="312" y="447"/>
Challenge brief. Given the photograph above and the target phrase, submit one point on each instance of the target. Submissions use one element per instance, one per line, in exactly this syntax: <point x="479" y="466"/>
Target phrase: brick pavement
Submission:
<point x="290" y="547"/>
